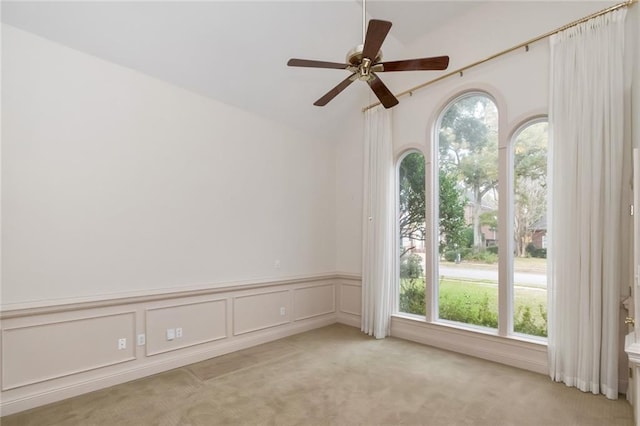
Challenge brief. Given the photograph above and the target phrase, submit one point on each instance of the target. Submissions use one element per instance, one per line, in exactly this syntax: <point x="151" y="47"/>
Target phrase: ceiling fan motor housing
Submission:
<point x="364" y="61"/>
<point x="354" y="56"/>
<point x="362" y="65"/>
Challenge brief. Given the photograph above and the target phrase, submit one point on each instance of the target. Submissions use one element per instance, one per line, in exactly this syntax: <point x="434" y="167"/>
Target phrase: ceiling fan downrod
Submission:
<point x="365" y="60"/>
<point x="364" y="20"/>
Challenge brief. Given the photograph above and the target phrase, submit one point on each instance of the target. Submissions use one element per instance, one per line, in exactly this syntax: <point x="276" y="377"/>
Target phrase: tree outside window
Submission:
<point x="466" y="227"/>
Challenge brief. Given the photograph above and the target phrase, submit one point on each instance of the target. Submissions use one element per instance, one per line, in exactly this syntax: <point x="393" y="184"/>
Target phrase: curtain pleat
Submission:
<point x="379" y="225"/>
<point x="586" y="163"/>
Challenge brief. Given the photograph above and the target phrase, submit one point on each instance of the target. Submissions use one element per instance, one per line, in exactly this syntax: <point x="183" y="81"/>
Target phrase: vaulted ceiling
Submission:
<point x="236" y="51"/>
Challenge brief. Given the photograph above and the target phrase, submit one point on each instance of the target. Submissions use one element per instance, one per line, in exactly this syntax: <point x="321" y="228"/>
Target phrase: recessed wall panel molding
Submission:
<point x="182" y="325"/>
<point x="55" y="351"/>
<point x="351" y="299"/>
<point x="259" y="311"/>
<point x="313" y="301"/>
<point x="41" y="352"/>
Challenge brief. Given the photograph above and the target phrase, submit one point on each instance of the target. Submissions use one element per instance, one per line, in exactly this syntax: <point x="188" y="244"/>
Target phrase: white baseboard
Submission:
<point x="349" y="319"/>
<point x="176" y="360"/>
<point x="37" y="369"/>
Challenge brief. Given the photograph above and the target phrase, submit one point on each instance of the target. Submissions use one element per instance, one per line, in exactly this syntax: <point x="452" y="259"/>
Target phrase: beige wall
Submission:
<point x="115" y="183"/>
<point x="54" y="352"/>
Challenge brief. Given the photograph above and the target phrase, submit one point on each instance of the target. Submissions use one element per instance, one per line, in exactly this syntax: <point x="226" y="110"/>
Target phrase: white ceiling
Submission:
<point x="236" y="51"/>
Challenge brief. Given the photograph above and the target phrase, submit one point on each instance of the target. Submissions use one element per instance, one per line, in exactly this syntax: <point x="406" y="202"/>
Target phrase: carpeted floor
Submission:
<point x="336" y="375"/>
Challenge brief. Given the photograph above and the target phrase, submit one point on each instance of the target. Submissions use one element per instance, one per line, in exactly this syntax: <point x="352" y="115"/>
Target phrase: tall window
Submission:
<point x="411" y="213"/>
<point x="530" y="229"/>
<point x="462" y="248"/>
<point x="468" y="212"/>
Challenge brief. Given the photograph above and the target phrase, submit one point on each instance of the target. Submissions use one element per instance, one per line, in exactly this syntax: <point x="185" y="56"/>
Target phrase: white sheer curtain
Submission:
<point x="586" y="119"/>
<point x="379" y="224"/>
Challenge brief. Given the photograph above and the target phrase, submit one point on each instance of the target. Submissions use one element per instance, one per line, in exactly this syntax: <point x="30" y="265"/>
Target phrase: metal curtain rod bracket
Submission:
<point x="525" y="44"/>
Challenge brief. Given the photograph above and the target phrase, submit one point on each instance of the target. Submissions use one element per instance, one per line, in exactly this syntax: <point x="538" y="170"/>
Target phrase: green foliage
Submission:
<point x="412" y="197"/>
<point x="412" y="299"/>
<point x="483" y="256"/>
<point x="489" y="255"/>
<point x="530" y="184"/>
<point x="452" y="255"/>
<point x="473" y="303"/>
<point x="463" y="126"/>
<point x="468" y="310"/>
<point x="451" y="208"/>
<point x="411" y="267"/>
<point x="489" y="219"/>
<point x="525" y="323"/>
<point x="467" y="237"/>
<point x="468" y="303"/>
<point x="532" y="251"/>
<point x="530" y="152"/>
<point x="468" y="147"/>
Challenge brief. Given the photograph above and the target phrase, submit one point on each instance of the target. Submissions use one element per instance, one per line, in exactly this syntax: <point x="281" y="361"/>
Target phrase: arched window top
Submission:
<point x="467" y="124"/>
<point x="466" y="225"/>
<point x="406" y="152"/>
<point x="541" y="123"/>
<point x="411" y="226"/>
<point x="465" y="98"/>
<point x="530" y="147"/>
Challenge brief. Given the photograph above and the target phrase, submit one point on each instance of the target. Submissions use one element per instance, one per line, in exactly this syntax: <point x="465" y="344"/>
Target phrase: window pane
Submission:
<point x="468" y="212"/>
<point x="412" y="234"/>
<point x="530" y="230"/>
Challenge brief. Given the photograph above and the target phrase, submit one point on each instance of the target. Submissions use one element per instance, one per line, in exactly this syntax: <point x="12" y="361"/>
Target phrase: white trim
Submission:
<point x="10" y="406"/>
<point x="349" y="319"/>
<point x="61" y="305"/>
<point x="517" y="353"/>
<point x="318" y="314"/>
<point x="186" y="345"/>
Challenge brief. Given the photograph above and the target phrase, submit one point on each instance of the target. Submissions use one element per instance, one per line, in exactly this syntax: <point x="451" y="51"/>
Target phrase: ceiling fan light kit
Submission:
<point x="364" y="61"/>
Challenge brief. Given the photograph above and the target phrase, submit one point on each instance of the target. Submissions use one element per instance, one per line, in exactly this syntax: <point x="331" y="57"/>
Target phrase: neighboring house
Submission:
<point x="489" y="233"/>
<point x="539" y="234"/>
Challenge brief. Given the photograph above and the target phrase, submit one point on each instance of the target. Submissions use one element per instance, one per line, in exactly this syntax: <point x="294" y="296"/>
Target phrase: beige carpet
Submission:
<point x="336" y="375"/>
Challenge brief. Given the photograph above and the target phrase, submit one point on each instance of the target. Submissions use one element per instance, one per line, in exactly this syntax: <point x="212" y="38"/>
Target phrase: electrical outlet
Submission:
<point x="276" y="264"/>
<point x="141" y="339"/>
<point x="283" y="311"/>
<point x="178" y="332"/>
<point x="171" y="333"/>
<point x="122" y="343"/>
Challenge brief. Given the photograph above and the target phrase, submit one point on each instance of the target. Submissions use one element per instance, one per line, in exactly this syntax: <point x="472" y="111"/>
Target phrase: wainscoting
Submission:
<point x="53" y="352"/>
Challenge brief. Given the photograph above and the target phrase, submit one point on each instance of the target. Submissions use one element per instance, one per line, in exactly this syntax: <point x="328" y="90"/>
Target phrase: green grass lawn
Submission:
<point x="476" y="302"/>
<point x="520" y="264"/>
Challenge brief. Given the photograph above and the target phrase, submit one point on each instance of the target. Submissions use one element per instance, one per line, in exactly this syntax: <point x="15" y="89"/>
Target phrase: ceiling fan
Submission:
<point x="364" y="61"/>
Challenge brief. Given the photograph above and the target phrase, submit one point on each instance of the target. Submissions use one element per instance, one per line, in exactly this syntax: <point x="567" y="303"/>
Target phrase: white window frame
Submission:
<point x="432" y="216"/>
<point x="398" y="161"/>
<point x="532" y="120"/>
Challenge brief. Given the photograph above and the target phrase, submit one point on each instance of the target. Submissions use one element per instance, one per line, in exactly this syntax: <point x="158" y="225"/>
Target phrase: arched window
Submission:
<point x="411" y="217"/>
<point x="466" y="256"/>
<point x="530" y="228"/>
<point x="467" y="214"/>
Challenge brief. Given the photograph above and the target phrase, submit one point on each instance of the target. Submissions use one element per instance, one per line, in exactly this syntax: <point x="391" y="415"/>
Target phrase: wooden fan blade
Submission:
<point x="382" y="92"/>
<point x="336" y="90"/>
<point x="421" y="64"/>
<point x="376" y="33"/>
<point x="316" y="64"/>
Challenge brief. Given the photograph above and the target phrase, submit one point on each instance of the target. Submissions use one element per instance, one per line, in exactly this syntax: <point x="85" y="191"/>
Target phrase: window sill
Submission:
<point x="475" y="329"/>
<point x="515" y="350"/>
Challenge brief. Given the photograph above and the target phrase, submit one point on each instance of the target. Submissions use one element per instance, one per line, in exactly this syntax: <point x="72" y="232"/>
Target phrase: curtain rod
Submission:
<point x="511" y="49"/>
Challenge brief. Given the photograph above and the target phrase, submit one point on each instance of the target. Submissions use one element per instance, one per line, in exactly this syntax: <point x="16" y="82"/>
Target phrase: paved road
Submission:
<point x="523" y="278"/>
